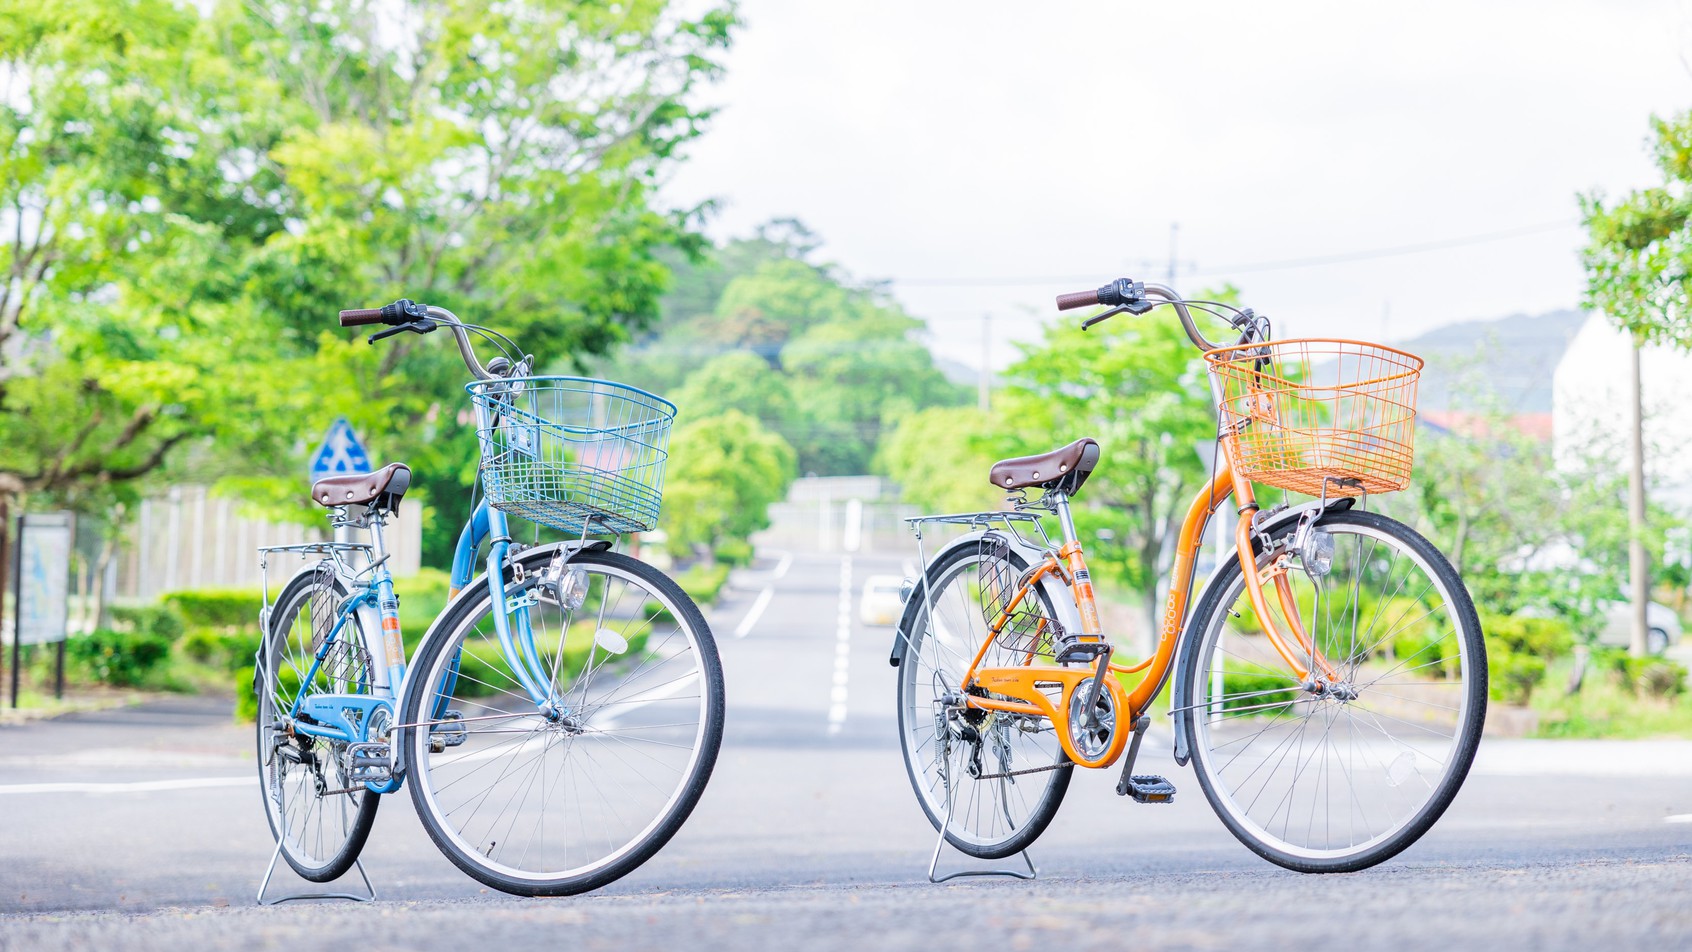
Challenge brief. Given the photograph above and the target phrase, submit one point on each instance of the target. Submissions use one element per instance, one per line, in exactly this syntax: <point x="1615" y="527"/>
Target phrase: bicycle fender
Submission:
<point x="1067" y="614"/>
<point x="1180" y="699"/>
<point x="527" y="556"/>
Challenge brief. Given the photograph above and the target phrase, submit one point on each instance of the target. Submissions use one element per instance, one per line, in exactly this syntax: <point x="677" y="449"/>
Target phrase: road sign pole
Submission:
<point x="17" y="614"/>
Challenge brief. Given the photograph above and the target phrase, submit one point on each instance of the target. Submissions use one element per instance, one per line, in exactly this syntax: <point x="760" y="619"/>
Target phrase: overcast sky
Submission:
<point x="986" y="156"/>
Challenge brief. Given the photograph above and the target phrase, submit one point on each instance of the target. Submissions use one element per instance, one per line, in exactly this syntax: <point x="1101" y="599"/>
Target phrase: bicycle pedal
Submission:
<point x="1147" y="788"/>
<point x="1080" y="651"/>
<point x="449" y="732"/>
<point x="369" y="763"/>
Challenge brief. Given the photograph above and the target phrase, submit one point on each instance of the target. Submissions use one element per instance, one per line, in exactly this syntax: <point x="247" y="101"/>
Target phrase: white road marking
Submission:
<point x="782" y="566"/>
<point x="851" y="535"/>
<point x="755" y="612"/>
<point x="140" y="786"/>
<point x="1678" y="818"/>
<point x="842" y="651"/>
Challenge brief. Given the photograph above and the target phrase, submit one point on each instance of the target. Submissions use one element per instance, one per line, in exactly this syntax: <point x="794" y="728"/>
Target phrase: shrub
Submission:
<point x="216" y="607"/>
<point x="158" y="620"/>
<point x="1652" y="677"/>
<point x="1514" y="675"/>
<point x="703" y="581"/>
<point x="118" y="658"/>
<point x="1517" y="649"/>
<point x="735" y="552"/>
<point x="222" y="647"/>
<point x="1238" y="682"/>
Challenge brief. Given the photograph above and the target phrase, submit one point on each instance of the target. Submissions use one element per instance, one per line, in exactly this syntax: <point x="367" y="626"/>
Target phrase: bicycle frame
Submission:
<point x="1022" y="682"/>
<point x="347" y="717"/>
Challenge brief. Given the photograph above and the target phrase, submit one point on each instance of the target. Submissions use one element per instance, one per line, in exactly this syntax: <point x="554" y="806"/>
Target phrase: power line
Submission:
<point x="1280" y="265"/>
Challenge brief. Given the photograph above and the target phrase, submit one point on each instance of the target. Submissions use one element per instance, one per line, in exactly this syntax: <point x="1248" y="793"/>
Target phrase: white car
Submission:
<point x="1662" y="626"/>
<point x="881" y="604"/>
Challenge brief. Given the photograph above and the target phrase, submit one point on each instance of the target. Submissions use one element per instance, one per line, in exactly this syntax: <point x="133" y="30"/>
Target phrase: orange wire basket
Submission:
<point x="1320" y="417"/>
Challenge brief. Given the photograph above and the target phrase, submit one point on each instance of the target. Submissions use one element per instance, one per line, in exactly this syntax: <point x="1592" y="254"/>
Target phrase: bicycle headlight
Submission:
<point x="1317" y="553"/>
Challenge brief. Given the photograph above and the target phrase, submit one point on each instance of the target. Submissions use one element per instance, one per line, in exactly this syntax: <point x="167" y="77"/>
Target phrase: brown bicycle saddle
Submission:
<point x="388" y="485"/>
<point x="1064" y="469"/>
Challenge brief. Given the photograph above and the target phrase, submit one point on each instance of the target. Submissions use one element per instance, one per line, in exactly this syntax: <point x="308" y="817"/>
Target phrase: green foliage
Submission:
<point x="226" y="649"/>
<point x="217" y="607"/>
<point x="1643" y="677"/>
<point x="160" y="621"/>
<point x="198" y="187"/>
<point x="1639" y="254"/>
<point x="421" y="599"/>
<point x="1281" y="692"/>
<point x="940" y="457"/>
<point x="724" y="473"/>
<point x="117" y="658"/>
<point x="822" y="361"/>
<point x="733" y="552"/>
<point x="702" y="581"/>
<point x="1519" y="650"/>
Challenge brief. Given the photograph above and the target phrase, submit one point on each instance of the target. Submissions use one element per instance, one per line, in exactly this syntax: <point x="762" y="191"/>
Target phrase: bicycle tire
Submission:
<point x="456" y="670"/>
<point x="1231" y="761"/>
<point x="288" y="647"/>
<point x="927" y="659"/>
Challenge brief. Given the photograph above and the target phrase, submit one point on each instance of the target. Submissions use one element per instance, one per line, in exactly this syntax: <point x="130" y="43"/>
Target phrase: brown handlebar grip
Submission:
<point x="1075" y="299"/>
<point x="360" y="316"/>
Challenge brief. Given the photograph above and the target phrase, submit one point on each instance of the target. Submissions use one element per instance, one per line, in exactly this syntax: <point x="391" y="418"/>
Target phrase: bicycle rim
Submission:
<point x="1346" y="776"/>
<point x="990" y="818"/>
<point x="320" y="818"/>
<point x="538" y="806"/>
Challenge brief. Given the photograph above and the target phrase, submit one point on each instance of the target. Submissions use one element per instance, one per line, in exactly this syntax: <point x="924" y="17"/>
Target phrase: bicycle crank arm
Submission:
<point x="1096" y="685"/>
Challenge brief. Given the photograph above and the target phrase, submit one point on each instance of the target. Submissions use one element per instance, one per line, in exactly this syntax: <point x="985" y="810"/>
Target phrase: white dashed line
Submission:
<point x="755" y="612"/>
<point x="782" y="566"/>
<point x="1678" y="818"/>
<point x="842" y="651"/>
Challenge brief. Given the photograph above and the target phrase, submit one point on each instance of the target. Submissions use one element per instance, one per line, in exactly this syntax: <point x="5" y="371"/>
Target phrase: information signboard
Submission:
<point x="44" y="549"/>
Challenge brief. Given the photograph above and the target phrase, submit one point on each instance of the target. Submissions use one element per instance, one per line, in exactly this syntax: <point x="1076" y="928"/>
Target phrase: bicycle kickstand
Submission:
<point x="934" y="861"/>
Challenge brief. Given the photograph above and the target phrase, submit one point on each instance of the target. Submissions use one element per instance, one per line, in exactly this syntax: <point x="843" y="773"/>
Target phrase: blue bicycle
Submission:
<point x="561" y="717"/>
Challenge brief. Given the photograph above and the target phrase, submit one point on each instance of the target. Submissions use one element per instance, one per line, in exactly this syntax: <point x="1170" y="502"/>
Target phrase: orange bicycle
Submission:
<point x="1329" y="687"/>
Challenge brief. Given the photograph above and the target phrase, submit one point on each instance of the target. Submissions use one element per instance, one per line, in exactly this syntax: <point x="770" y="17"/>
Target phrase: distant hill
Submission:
<point x="1512" y="357"/>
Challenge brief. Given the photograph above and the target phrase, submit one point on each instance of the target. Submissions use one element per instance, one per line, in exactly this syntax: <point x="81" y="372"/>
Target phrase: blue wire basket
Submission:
<point x="573" y="453"/>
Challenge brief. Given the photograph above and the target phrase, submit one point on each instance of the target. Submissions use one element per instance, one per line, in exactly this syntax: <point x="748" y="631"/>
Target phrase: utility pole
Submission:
<point x="984" y="398"/>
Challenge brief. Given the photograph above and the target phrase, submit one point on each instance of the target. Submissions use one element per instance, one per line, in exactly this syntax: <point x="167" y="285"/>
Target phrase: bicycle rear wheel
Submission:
<point x="948" y="752"/>
<point x="321" y="819"/>
<point x="550" y="806"/>
<point x="1335" y="775"/>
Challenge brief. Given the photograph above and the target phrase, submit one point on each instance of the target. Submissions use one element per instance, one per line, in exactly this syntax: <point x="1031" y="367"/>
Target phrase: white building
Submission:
<point x="1590" y="414"/>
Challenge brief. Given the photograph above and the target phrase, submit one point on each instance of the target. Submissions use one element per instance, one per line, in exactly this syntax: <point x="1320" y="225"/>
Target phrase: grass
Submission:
<point x="1605" y="709"/>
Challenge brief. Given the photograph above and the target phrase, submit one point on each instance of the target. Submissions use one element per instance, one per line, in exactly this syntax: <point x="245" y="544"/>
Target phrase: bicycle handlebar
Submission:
<point x="421" y="318"/>
<point x="1127" y="293"/>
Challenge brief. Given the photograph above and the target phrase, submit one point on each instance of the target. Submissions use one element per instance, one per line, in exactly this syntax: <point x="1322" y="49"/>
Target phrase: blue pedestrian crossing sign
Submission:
<point x="341" y="453"/>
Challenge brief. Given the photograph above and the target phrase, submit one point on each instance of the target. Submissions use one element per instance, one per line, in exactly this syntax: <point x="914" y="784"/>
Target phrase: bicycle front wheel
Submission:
<point x="550" y="803"/>
<point x="992" y="781"/>
<point x="321" y="819"/>
<point x="1337" y="773"/>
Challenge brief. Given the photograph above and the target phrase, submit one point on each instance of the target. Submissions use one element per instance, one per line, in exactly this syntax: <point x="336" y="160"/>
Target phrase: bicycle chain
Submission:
<point x="1018" y="773"/>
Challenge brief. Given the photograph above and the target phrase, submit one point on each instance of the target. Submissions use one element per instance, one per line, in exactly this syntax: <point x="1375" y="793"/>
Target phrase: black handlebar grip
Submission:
<point x="1075" y="299"/>
<point x="360" y="316"/>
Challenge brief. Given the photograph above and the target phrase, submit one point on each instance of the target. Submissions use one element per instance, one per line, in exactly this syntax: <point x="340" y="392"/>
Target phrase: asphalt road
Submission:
<point x="142" y="828"/>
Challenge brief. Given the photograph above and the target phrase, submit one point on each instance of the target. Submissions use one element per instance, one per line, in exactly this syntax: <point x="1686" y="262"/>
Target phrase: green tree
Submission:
<point x="1139" y="388"/>
<point x="739" y="380"/>
<point x="497" y="157"/>
<point x="725" y="471"/>
<point x="1639" y="272"/>
<point x="940" y="458"/>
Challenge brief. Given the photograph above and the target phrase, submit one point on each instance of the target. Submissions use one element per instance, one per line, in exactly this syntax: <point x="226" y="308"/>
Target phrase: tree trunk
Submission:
<point x="1638" y="571"/>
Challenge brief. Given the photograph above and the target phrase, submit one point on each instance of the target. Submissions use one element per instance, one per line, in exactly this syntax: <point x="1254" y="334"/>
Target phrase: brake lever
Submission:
<point x="421" y="326"/>
<point x="1107" y="315"/>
